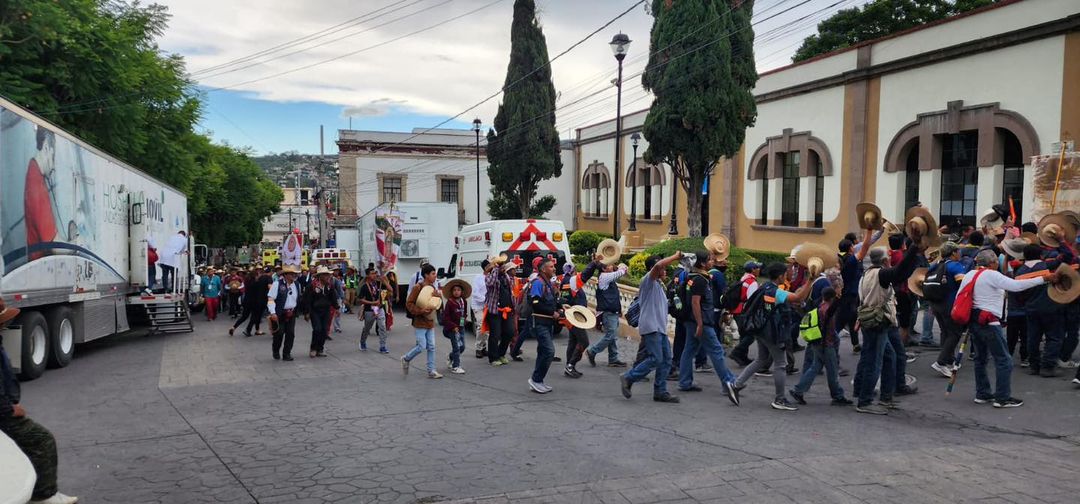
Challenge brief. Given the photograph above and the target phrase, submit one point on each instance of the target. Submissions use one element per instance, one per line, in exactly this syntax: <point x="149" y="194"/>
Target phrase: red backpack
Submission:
<point x="965" y="301"/>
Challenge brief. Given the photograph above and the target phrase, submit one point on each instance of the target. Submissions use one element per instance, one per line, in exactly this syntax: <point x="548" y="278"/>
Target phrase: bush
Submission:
<point x="585" y="242"/>
<point x="765" y="257"/>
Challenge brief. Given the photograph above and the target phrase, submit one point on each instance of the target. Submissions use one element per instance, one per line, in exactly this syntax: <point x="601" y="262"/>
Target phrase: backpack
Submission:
<point x="633" y="312"/>
<point x="754" y="316"/>
<point x="936" y="284"/>
<point x="683" y="294"/>
<point x="965" y="301"/>
<point x="732" y="296"/>
<point x="675" y="303"/>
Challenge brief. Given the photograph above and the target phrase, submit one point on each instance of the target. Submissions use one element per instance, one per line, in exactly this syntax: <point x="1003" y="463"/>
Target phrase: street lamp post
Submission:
<point x="620" y="44"/>
<point x="673" y="229"/>
<point x="476" y="128"/>
<point x="634" y="139"/>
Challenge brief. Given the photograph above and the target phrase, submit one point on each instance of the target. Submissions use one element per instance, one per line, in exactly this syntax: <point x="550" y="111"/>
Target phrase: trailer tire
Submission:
<point x="61" y="337"/>
<point x="35" y="344"/>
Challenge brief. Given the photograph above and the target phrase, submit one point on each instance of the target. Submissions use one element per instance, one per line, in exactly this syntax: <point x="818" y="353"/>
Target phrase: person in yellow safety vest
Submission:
<point x="821" y="350"/>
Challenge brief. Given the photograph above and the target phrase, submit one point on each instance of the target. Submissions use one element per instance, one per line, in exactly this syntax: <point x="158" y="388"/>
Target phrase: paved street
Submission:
<point x="206" y="418"/>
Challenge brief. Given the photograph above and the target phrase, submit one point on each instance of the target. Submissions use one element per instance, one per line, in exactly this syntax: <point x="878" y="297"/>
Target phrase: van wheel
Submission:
<point x="35" y="345"/>
<point x="61" y="337"/>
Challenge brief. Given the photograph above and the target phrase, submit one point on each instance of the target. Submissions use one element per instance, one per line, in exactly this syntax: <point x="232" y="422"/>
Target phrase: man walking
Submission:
<point x="371" y="311"/>
<point x="282" y="301"/>
<point x="610" y="308"/>
<point x="256" y="291"/>
<point x="319" y="300"/>
<point x="499" y="304"/>
<point x="423" y="323"/>
<point x="701" y="330"/>
<point x="545" y="314"/>
<point x="652" y="325"/>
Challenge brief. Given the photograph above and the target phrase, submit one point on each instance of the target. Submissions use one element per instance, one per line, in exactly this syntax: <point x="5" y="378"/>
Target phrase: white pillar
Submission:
<point x="989" y="189"/>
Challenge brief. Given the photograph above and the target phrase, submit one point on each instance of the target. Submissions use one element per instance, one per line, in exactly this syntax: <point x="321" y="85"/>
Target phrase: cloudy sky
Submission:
<point x="274" y="70"/>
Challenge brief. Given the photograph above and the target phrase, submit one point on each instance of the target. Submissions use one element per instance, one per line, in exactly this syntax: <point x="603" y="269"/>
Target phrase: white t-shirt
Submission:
<point x="990" y="289"/>
<point x="479" y="293"/>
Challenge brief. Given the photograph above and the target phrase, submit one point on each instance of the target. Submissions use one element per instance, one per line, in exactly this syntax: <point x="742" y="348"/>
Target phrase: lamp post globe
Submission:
<point x="620" y="45"/>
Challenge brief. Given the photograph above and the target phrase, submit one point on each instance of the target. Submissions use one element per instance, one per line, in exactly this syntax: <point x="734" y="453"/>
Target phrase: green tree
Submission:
<point x="523" y="147"/>
<point x="878" y="19"/>
<point x="702" y="84"/>
<point x="232" y="196"/>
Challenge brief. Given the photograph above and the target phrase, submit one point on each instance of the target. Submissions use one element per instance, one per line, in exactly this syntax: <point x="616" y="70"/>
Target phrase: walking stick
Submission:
<point x="1057" y="178"/>
<point x="959" y="358"/>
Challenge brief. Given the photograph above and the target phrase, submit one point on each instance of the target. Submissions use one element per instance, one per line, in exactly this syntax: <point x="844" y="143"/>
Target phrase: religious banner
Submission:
<point x="388" y="229"/>
<point x="1046" y="177"/>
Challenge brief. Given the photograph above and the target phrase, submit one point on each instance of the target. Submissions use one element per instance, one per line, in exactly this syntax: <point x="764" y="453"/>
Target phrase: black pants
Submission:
<point x="253" y="314"/>
<point x="500" y="333"/>
<point x="1016" y="334"/>
<point x="234" y="304"/>
<point x="846" y="316"/>
<point x="286" y="333"/>
<point x="39" y="445"/>
<point x="524" y="331"/>
<point x="576" y="345"/>
<point x="742" y="348"/>
<point x="950" y="334"/>
<point x="320" y="328"/>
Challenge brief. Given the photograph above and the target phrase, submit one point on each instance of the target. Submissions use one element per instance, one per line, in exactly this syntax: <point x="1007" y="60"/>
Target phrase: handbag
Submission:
<point x="872" y="316"/>
<point x="965" y="301"/>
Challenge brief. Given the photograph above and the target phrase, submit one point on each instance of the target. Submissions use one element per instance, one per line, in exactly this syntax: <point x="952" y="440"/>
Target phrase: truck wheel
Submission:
<point x="35" y="344"/>
<point x="61" y="337"/>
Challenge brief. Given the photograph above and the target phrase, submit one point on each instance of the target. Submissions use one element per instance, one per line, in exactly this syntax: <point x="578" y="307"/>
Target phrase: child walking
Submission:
<point x="454" y="327"/>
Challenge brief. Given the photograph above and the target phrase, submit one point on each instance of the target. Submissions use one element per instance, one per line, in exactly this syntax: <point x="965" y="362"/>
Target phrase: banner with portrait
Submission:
<point x="1045" y="177"/>
<point x="388" y="228"/>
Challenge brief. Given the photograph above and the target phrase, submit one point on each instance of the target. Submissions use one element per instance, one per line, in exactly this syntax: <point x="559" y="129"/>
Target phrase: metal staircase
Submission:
<point x="169" y="316"/>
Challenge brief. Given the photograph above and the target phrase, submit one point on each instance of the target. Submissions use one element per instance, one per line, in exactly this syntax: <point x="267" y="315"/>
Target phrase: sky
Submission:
<point x="273" y="71"/>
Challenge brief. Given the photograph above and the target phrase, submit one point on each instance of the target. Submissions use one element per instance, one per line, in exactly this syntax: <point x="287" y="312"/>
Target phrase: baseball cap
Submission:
<point x="751" y="266"/>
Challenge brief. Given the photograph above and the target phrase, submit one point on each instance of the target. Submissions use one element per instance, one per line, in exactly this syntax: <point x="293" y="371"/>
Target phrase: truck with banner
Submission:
<point x="399" y="237"/>
<point x="77" y="230"/>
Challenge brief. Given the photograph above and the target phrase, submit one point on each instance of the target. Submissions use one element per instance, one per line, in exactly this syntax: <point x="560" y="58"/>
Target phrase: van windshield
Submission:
<point x="527" y="257"/>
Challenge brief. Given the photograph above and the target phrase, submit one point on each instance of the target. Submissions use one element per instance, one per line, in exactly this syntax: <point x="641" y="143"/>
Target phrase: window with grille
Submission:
<point x="789" y="190"/>
<point x="391" y="189"/>
<point x="819" y="191"/>
<point x="1013" y="184"/>
<point x="764" y="220"/>
<point x="911" y="178"/>
<point x="449" y="190"/>
<point x="959" y="177"/>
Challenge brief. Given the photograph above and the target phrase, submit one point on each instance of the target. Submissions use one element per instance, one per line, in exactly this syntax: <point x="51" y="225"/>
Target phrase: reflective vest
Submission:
<point x="809" y="328"/>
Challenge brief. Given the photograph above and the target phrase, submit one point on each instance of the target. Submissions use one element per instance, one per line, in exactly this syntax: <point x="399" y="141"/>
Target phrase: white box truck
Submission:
<point x="399" y="236"/>
<point x="75" y="225"/>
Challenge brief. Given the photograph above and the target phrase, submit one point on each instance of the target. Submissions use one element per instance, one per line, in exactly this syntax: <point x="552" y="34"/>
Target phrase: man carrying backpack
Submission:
<point x="939" y="289"/>
<point x="762" y="317"/>
<point x="678" y="280"/>
<point x="821" y="350"/>
<point x="652" y="325"/>
<point x="747" y="286"/>
<point x="700" y="329"/>
<point x="1045" y="319"/>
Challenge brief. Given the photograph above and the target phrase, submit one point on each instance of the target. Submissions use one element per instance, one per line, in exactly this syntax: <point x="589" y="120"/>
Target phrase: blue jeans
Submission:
<point x="425" y="340"/>
<point x="876" y="360"/>
<point x="610" y="341"/>
<point x="457" y="345"/>
<point x="819" y="355"/>
<point x="545" y="350"/>
<point x="988" y="341"/>
<point x="712" y="348"/>
<point x="927" y="326"/>
<point x="900" y="360"/>
<point x="659" y="348"/>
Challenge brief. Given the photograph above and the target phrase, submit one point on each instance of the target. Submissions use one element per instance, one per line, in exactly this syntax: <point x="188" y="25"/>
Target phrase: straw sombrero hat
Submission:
<point x="323" y="270"/>
<point x="1015" y="247"/>
<point x="6" y="314"/>
<point x="466" y="288"/>
<point x="290" y="268"/>
<point x="815" y="257"/>
<point x="892" y="229"/>
<point x="719" y="245"/>
<point x="915" y="281"/>
<point x="1058" y="228"/>
<point x="994" y="217"/>
<point x="919" y="224"/>
<point x="428" y="299"/>
<point x="933" y="252"/>
<point x="580" y="317"/>
<point x="1030" y="237"/>
<point x="869" y="216"/>
<point x="499" y="259"/>
<point x="1067" y="288"/>
<point x="610" y="251"/>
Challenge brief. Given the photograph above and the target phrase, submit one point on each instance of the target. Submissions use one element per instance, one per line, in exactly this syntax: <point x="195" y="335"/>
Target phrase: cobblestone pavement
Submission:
<point x="203" y="417"/>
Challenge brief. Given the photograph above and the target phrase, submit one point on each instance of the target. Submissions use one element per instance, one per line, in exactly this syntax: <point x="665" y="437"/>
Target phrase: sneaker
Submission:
<point x="692" y="388"/>
<point x="457" y="370"/>
<point x="556" y="359"/>
<point x="617" y="363"/>
<point x="1024" y="363"/>
<point x="843" y="372"/>
<point x="665" y="397"/>
<point x="945" y="371"/>
<point x="1069" y="364"/>
<point x="537" y="387"/>
<point x="1076" y="381"/>
<point x="571" y="372"/>
<point x="504" y="360"/>
<point x="888" y="404"/>
<point x="480" y="354"/>
<point x="232" y="330"/>
<point x="798" y="397"/>
<point x="363" y="347"/>
<point x="912" y="357"/>
<point x="497" y="363"/>
<point x="286" y="358"/>
<point x="384" y="350"/>
<point x="791" y="370"/>
<point x="247" y="334"/>
<point x="856" y="349"/>
<point x="320" y="354"/>
<point x="592" y="357"/>
<point x="782" y="404"/>
<point x="517" y="358"/>
<point x="404" y="365"/>
<point x="625" y="385"/>
<point x="732" y="393"/>
<point x="673" y="375"/>
<point x="764" y="373"/>
<point x="704" y="368"/>
<point x="906" y="389"/>
<point x="873" y="409"/>
<point x="57" y="498"/>
<point x="1008" y="403"/>
<point x="843" y="401"/>
<point x="983" y="400"/>
<point x="434" y="375"/>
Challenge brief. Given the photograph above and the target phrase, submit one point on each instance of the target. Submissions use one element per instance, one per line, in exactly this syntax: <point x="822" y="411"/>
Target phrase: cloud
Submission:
<point x="374" y="108"/>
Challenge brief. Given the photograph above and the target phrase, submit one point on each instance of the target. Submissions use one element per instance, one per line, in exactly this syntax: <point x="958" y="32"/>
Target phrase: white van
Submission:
<point x="521" y="240"/>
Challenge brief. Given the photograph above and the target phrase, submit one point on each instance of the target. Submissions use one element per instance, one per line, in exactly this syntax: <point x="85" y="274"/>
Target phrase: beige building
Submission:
<point x="948" y="114"/>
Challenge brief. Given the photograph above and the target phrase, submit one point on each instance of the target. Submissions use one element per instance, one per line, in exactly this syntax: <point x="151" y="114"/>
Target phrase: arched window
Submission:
<point x="911" y="177"/>
<point x="1013" y="182"/>
<point x="791" y="157"/>
<point x="596" y="183"/>
<point x="819" y="189"/>
<point x="789" y="190"/>
<point x="649" y="184"/>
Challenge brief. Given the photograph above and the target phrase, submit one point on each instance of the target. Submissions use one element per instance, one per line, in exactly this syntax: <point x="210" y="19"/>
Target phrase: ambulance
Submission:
<point x="521" y="240"/>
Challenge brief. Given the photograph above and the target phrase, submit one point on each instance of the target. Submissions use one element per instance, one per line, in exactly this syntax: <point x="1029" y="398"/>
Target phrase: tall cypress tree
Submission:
<point x="701" y="71"/>
<point x="523" y="146"/>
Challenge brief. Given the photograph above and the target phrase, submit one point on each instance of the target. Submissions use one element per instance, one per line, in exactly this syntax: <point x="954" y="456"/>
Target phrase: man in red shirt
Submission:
<point x="37" y="201"/>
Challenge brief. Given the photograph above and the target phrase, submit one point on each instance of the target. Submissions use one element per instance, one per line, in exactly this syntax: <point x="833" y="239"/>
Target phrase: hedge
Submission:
<point x="585" y="242"/>
<point x="736" y="259"/>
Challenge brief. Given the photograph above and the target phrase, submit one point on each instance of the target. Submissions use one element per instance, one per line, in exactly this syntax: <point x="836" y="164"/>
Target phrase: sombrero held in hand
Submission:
<point x="719" y="245"/>
<point x="920" y="226"/>
<point x="580" y="317"/>
<point x="815" y="257"/>
<point x="610" y="251"/>
<point x="869" y="216"/>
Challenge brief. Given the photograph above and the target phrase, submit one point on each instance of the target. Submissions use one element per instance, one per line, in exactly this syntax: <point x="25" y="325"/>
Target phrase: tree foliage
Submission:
<point x="523" y="147"/>
<point x="877" y="19"/>
<point x="93" y="67"/>
<point x="702" y="85"/>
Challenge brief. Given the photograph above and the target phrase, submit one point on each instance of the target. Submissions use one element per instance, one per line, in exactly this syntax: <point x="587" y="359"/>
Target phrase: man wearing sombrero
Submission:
<point x="35" y="441"/>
